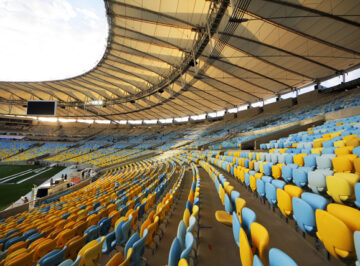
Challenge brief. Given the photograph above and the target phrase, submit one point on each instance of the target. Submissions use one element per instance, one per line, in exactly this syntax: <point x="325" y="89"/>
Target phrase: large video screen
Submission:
<point x="46" y="108"/>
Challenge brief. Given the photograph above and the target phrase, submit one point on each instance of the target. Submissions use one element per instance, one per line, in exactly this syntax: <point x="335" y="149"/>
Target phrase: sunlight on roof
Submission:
<point x="50" y="39"/>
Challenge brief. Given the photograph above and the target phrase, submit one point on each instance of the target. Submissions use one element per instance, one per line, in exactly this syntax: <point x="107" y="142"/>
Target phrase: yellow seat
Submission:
<point x="349" y="137"/>
<point x="341" y="186"/>
<point x="16" y="246"/>
<point x="339" y="143"/>
<point x="24" y="259"/>
<point x="223" y="217"/>
<point x="246" y="255"/>
<point x="240" y="203"/>
<point x="183" y="262"/>
<point x="252" y="183"/>
<point x="316" y="150"/>
<point x="186" y="217"/>
<point x="195" y="211"/>
<point x="284" y="198"/>
<point x="284" y="202"/>
<point x="152" y="228"/>
<point x="335" y="235"/>
<point x="118" y="259"/>
<point x="352" y="142"/>
<point x="43" y="248"/>
<point x="91" y="253"/>
<point x="350" y="216"/>
<point x="357" y="165"/>
<point x="342" y="151"/>
<point x="276" y="170"/>
<point x="74" y="245"/>
<point x="342" y="164"/>
<point x="64" y="237"/>
<point x="260" y="240"/>
<point x="299" y="159"/>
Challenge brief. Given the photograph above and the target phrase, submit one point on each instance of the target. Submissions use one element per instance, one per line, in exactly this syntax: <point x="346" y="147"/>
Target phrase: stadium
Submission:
<point x="207" y="132"/>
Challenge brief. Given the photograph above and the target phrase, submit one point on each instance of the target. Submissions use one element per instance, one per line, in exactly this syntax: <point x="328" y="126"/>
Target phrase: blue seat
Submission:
<point x="29" y="233"/>
<point x="248" y="217"/>
<point x="278" y="184"/>
<point x="189" y="242"/>
<point x="109" y="243"/>
<point x="289" y="159"/>
<point x="69" y="262"/>
<point x="138" y="245"/>
<point x="181" y="232"/>
<point x="267" y="179"/>
<point x="234" y="195"/>
<point x="13" y="241"/>
<point x="300" y="176"/>
<point x="357" y="151"/>
<point x="122" y="231"/>
<point x="92" y="233"/>
<point x="8" y="234"/>
<point x="54" y="257"/>
<point x="228" y="204"/>
<point x="257" y="261"/>
<point x="279" y="258"/>
<point x="260" y="188"/>
<point x="65" y="216"/>
<point x="247" y="179"/>
<point x="236" y="227"/>
<point x="34" y="237"/>
<point x="287" y="172"/>
<point x="357" y="195"/>
<point x="175" y="252"/>
<point x="310" y="160"/>
<point x="267" y="169"/>
<point x="104" y="225"/>
<point x="270" y="193"/>
<point x="304" y="210"/>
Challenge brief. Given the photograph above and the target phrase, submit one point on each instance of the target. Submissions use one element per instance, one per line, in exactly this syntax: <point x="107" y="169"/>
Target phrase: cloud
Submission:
<point x="49" y="39"/>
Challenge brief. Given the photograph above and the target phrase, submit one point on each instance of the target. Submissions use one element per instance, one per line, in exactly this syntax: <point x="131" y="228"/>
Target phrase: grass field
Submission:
<point x="6" y="170"/>
<point x="12" y="192"/>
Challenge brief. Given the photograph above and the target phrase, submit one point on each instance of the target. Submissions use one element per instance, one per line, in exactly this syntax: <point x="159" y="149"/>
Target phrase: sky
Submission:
<point x="44" y="40"/>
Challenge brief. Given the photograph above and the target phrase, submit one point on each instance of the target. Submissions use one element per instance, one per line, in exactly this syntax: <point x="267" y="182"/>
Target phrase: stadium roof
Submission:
<point x="186" y="57"/>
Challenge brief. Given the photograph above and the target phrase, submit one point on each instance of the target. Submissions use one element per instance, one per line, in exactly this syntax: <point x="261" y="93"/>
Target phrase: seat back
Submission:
<point x="335" y="235"/>
<point x="175" y="252"/>
<point x="339" y="189"/>
<point x="260" y="239"/>
<point x="350" y="216"/>
<point x="284" y="202"/>
<point x="55" y="257"/>
<point x="189" y="242"/>
<point x="246" y="255"/>
<point x="92" y="253"/>
<point x="342" y="164"/>
<point x="74" y="245"/>
<point x="236" y="227"/>
<point x="279" y="258"/>
<point x="181" y="232"/>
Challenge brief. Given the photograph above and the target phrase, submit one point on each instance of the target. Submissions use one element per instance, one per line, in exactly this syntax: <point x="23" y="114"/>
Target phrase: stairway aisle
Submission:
<point x="161" y="254"/>
<point x="282" y="234"/>
<point x="216" y="244"/>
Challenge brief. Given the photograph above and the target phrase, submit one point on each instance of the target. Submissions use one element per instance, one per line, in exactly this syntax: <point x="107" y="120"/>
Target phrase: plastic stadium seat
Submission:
<point x="304" y="210"/>
<point x="236" y="227"/>
<point x="181" y="232"/>
<point x="341" y="186"/>
<point x="342" y="164"/>
<point x="325" y="161"/>
<point x="357" y="165"/>
<point x="287" y="172"/>
<point x="278" y="184"/>
<point x="91" y="252"/>
<point x="356" y="151"/>
<point x="189" y="242"/>
<point x="300" y="176"/>
<point x="335" y="235"/>
<point x="289" y="159"/>
<point x="276" y="170"/>
<point x="317" y="179"/>
<point x="350" y="216"/>
<point x="299" y="159"/>
<point x="279" y="258"/>
<point x="137" y="244"/>
<point x="118" y="259"/>
<point x="55" y="257"/>
<point x="175" y="252"/>
<point x="248" y="217"/>
<point x="246" y="255"/>
<point x="342" y="151"/>
<point x="260" y="188"/>
<point x="284" y="198"/>
<point x="74" y="246"/>
<point x="259" y="239"/>
<point x="357" y="195"/>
